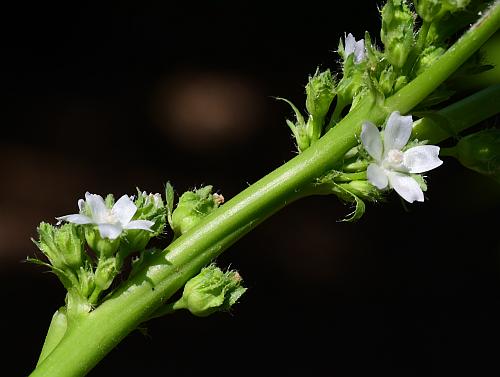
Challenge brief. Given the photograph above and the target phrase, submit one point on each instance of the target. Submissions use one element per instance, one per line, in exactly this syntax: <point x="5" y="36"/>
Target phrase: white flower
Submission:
<point x="392" y="166"/>
<point x="110" y="221"/>
<point x="354" y="47"/>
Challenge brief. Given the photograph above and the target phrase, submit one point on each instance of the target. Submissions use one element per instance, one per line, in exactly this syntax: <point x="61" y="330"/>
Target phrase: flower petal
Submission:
<point x="81" y="205"/>
<point x="97" y="207"/>
<point x="350" y="45"/>
<point x="76" y="219"/>
<point x="111" y="231"/>
<point x="372" y="142"/>
<point x="406" y="187"/>
<point x="422" y="158"/>
<point x="359" y="51"/>
<point x="124" y="209"/>
<point x="377" y="176"/>
<point x="140" y="224"/>
<point x="397" y="132"/>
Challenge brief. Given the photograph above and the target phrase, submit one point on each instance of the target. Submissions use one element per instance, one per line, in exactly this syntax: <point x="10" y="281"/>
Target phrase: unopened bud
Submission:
<point x="105" y="273"/>
<point x="192" y="207"/>
<point x="63" y="246"/>
<point x="397" y="31"/>
<point x="320" y="92"/>
<point x="428" y="10"/>
<point x="210" y="291"/>
<point x="480" y="152"/>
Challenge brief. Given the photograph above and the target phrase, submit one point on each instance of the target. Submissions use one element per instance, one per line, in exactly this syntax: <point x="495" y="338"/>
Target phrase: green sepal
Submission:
<point x="169" y="198"/>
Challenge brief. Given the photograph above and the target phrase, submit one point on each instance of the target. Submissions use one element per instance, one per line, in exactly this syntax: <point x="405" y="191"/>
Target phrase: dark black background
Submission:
<point x="86" y="86"/>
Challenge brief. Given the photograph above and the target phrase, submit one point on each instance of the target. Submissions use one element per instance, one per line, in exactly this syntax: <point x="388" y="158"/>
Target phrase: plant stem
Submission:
<point x="458" y="116"/>
<point x="57" y="329"/>
<point x="89" y="339"/>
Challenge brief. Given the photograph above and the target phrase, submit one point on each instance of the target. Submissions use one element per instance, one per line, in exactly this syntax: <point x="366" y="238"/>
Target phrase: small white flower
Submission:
<point x="111" y="222"/>
<point x="392" y="166"/>
<point x="354" y="47"/>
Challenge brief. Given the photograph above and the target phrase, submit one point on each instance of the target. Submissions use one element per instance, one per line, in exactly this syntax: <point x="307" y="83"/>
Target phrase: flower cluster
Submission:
<point x="115" y="230"/>
<point x="378" y="73"/>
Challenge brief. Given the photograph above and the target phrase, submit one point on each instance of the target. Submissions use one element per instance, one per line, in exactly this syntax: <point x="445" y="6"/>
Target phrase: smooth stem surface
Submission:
<point x="91" y="338"/>
<point x="458" y="116"/>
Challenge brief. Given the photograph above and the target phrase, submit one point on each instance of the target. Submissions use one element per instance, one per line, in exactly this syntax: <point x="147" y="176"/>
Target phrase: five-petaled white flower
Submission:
<point x="392" y="166"/>
<point x="354" y="47"/>
<point x="111" y="222"/>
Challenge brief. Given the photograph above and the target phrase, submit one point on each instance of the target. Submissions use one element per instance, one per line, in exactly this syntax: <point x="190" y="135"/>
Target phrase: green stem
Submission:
<point x="458" y="116"/>
<point x="95" y="334"/>
<point x="57" y="329"/>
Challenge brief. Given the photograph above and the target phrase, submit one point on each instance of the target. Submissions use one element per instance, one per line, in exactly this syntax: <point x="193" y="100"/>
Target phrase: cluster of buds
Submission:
<point x="320" y="92"/>
<point x="88" y="251"/>
<point x="111" y="230"/>
<point x="379" y="73"/>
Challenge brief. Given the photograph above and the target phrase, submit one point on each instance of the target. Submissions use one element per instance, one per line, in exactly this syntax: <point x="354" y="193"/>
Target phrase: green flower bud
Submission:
<point x="210" y="291"/>
<point x="63" y="246"/>
<point x="397" y="31"/>
<point x="105" y="273"/>
<point x="192" y="207"/>
<point x="480" y="152"/>
<point x="455" y="5"/>
<point x="104" y="247"/>
<point x="351" y="84"/>
<point x="301" y="135"/>
<point x="149" y="207"/>
<point x="428" y="10"/>
<point x="428" y="57"/>
<point x="363" y="189"/>
<point x="320" y="92"/>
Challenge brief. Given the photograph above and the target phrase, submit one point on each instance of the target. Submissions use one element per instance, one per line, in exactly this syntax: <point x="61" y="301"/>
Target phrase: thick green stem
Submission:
<point x="57" y="329"/>
<point x="94" y="335"/>
<point x="458" y="116"/>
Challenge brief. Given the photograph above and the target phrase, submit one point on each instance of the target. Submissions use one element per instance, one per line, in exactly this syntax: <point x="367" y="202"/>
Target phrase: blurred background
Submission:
<point x="106" y="97"/>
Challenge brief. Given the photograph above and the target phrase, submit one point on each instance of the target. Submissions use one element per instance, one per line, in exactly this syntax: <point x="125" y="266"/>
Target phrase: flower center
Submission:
<point x="395" y="157"/>
<point x="109" y="217"/>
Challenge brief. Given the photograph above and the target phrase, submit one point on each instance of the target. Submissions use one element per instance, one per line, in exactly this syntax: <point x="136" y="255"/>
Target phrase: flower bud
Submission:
<point x="362" y="189"/>
<point x="428" y="10"/>
<point x="397" y="31"/>
<point x="105" y="273"/>
<point x="149" y="207"/>
<point x="210" y="291"/>
<point x="455" y="5"/>
<point x="428" y="57"/>
<point x="192" y="207"/>
<point x="320" y="92"/>
<point x="63" y="246"/>
<point x="480" y="152"/>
